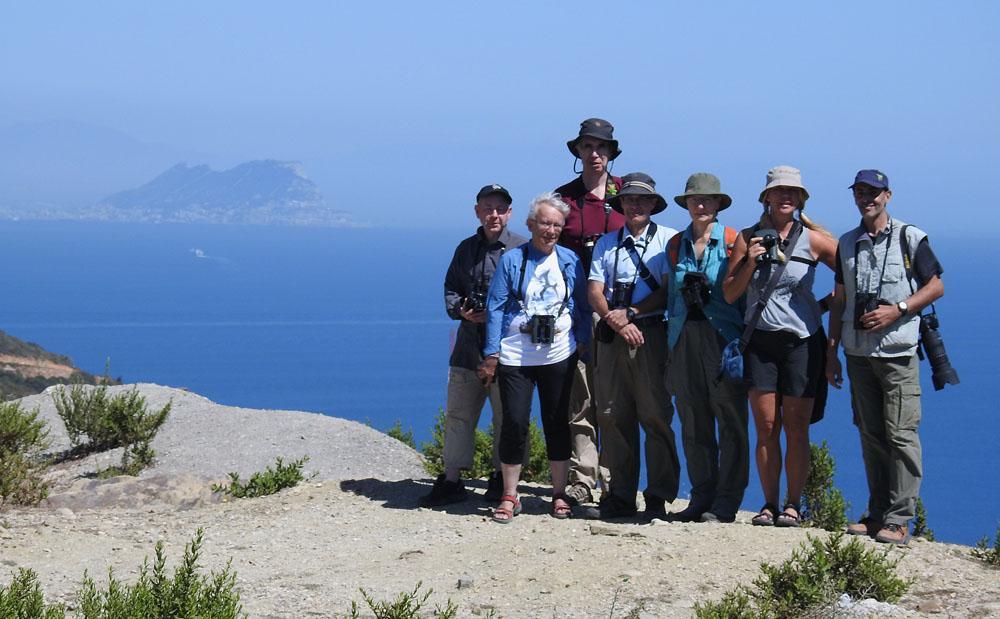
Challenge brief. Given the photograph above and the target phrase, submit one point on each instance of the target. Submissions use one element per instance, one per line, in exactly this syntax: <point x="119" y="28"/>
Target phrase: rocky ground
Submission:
<point x="307" y="551"/>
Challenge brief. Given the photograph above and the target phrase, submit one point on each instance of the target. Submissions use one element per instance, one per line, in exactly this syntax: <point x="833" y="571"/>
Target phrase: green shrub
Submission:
<point x="187" y="594"/>
<point x="123" y="420"/>
<point x="823" y="505"/>
<point x="265" y="482"/>
<point x="815" y="576"/>
<point x="983" y="552"/>
<point x="407" y="605"/>
<point x="920" y="528"/>
<point x="403" y="436"/>
<point x="23" y="441"/>
<point x="537" y="468"/>
<point x="23" y="599"/>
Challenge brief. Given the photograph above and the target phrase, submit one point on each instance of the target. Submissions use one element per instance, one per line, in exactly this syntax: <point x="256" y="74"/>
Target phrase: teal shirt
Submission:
<point x="727" y="318"/>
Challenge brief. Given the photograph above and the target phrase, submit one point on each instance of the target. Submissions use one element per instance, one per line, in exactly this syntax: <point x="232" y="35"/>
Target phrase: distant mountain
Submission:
<point x="27" y="368"/>
<point x="256" y="192"/>
<point x="52" y="168"/>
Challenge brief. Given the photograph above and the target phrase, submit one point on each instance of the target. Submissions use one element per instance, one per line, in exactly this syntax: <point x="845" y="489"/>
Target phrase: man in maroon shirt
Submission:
<point x="590" y="216"/>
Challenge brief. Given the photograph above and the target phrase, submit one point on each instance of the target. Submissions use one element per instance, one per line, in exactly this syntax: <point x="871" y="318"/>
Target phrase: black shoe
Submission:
<point x="444" y="492"/>
<point x="691" y="513"/>
<point x="494" y="488"/>
<point x="656" y="509"/>
<point x="610" y="508"/>
<point x="714" y="517"/>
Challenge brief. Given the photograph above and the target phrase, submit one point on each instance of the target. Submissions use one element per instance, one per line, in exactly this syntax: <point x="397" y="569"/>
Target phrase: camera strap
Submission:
<point x="520" y="284"/>
<point x="641" y="271"/>
<point x="885" y="260"/>
<point x="904" y="247"/>
<point x="772" y="283"/>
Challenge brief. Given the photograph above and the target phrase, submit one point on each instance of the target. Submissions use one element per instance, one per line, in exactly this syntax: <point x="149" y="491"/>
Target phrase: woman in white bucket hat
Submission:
<point x="785" y="356"/>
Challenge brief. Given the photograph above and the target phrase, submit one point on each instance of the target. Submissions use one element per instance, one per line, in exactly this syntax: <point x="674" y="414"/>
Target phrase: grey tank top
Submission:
<point x="792" y="306"/>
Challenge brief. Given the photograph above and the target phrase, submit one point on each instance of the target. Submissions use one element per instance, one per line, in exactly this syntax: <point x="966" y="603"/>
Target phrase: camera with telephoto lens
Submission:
<point x="933" y="347"/>
<point x="865" y="302"/>
<point x="542" y="328"/>
<point x="695" y="291"/>
<point x="769" y="241"/>
<point x="476" y="301"/>
<point x="621" y="295"/>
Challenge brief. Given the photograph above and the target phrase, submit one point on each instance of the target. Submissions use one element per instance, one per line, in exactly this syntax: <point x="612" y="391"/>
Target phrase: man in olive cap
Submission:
<point x="886" y="274"/>
<point x="465" y="287"/>
<point x="631" y="356"/>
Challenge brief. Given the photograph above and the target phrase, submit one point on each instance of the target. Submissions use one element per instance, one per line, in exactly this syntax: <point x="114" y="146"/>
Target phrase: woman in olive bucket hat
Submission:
<point x="785" y="358"/>
<point x="590" y="216"/>
<point x="701" y="323"/>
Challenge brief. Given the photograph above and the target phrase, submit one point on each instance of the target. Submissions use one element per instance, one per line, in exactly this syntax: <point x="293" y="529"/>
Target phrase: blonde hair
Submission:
<point x="806" y="221"/>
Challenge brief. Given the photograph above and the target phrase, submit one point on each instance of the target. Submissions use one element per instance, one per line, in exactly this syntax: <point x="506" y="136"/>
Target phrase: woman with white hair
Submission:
<point x="537" y="325"/>
<point x="774" y="262"/>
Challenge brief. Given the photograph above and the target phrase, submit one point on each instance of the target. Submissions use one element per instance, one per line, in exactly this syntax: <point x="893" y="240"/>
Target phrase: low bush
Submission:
<point x="920" y="528"/>
<point x="98" y="422"/>
<point x="403" y="436"/>
<point x="265" y="482"/>
<point x="537" y="468"/>
<point x="814" y="577"/>
<point x="406" y="605"/>
<point x="984" y="552"/>
<point x="23" y="599"/>
<point x="823" y="505"/>
<point x="23" y="441"/>
<point x="186" y="594"/>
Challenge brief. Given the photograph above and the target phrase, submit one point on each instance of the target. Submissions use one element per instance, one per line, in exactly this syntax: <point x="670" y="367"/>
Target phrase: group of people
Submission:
<point x="613" y="318"/>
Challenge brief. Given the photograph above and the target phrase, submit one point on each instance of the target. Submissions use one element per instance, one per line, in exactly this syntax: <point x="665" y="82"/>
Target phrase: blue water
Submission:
<point x="351" y="323"/>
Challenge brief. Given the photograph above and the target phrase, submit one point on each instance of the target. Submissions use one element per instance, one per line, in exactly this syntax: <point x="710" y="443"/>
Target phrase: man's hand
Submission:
<point x="616" y="319"/>
<point x="471" y="316"/>
<point x="834" y="371"/>
<point x="631" y="334"/>
<point x="880" y="317"/>
<point x="487" y="370"/>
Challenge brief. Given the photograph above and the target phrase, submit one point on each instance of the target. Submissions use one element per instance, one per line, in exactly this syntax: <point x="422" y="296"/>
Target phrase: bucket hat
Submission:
<point x="875" y="178"/>
<point x="703" y="184"/>
<point x="489" y="190"/>
<point x="784" y="176"/>
<point x="596" y="128"/>
<point x="637" y="184"/>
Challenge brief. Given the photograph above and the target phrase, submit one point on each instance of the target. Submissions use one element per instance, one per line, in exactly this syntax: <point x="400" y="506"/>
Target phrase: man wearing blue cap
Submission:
<point x="886" y="274"/>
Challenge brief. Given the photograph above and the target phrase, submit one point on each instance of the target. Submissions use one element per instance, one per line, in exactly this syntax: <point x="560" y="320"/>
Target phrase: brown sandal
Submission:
<point x="563" y="511"/>
<point x="765" y="518"/>
<point x="784" y="519"/>
<point x="502" y="515"/>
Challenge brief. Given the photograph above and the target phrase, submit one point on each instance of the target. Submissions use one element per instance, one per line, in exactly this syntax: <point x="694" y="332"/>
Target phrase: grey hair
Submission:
<point x="550" y="199"/>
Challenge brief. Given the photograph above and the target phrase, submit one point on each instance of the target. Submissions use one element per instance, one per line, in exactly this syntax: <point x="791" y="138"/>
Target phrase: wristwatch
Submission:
<point x="630" y="314"/>
<point x="902" y="307"/>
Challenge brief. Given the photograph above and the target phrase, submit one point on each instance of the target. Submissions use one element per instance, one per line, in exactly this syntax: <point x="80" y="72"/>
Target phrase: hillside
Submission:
<point x="305" y="552"/>
<point x="27" y="368"/>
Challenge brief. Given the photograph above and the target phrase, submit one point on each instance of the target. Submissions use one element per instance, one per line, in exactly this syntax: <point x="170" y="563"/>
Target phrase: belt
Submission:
<point x="648" y="321"/>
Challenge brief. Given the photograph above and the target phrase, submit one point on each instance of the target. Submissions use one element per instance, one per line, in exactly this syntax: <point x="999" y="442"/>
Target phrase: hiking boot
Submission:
<point x="655" y="509"/>
<point x="494" y="488"/>
<point x="578" y="494"/>
<point x="718" y="518"/>
<point x="865" y="526"/>
<point x="610" y="508"/>
<point x="691" y="513"/>
<point x="444" y="492"/>
<point x="897" y="534"/>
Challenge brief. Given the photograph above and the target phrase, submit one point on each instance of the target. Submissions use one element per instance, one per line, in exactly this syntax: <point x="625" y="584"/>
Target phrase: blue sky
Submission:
<point x="400" y="111"/>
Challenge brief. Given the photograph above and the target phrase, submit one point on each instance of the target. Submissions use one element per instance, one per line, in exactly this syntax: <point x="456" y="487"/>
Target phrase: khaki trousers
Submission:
<point x="584" y="465"/>
<point x="885" y="396"/>
<point x="466" y="397"/>
<point x="630" y="391"/>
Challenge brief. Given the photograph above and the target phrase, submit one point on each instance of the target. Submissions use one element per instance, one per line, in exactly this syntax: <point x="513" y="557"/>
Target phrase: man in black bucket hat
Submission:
<point x="631" y="356"/>
<point x="590" y="217"/>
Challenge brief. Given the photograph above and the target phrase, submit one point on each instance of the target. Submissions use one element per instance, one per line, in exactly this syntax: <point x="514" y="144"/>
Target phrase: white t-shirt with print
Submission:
<point x="545" y="293"/>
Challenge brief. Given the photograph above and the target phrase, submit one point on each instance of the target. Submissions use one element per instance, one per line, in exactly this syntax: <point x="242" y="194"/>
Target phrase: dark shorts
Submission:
<point x="784" y="363"/>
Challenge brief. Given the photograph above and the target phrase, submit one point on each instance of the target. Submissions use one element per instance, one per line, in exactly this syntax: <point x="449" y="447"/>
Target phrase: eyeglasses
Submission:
<point x="500" y="210"/>
<point x="549" y="225"/>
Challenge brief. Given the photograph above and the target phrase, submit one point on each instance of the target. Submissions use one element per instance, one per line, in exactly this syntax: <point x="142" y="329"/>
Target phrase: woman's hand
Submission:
<point x="487" y="370"/>
<point x="755" y="249"/>
<point x="834" y="371"/>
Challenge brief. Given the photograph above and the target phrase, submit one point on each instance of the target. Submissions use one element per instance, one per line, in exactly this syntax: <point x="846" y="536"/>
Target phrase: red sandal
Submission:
<point x="563" y="511"/>
<point x="502" y="515"/>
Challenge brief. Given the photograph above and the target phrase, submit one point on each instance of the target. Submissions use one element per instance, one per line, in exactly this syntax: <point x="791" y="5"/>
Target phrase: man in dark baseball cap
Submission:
<point x="465" y="287"/>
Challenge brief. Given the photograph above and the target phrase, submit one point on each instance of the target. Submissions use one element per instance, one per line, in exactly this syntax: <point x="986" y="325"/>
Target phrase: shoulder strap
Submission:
<point x="674" y="248"/>
<point x="904" y="248"/>
<point x="772" y="283"/>
<point x="730" y="235"/>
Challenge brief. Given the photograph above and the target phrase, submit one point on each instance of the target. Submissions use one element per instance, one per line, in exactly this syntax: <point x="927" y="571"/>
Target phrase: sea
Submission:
<point x="351" y="323"/>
